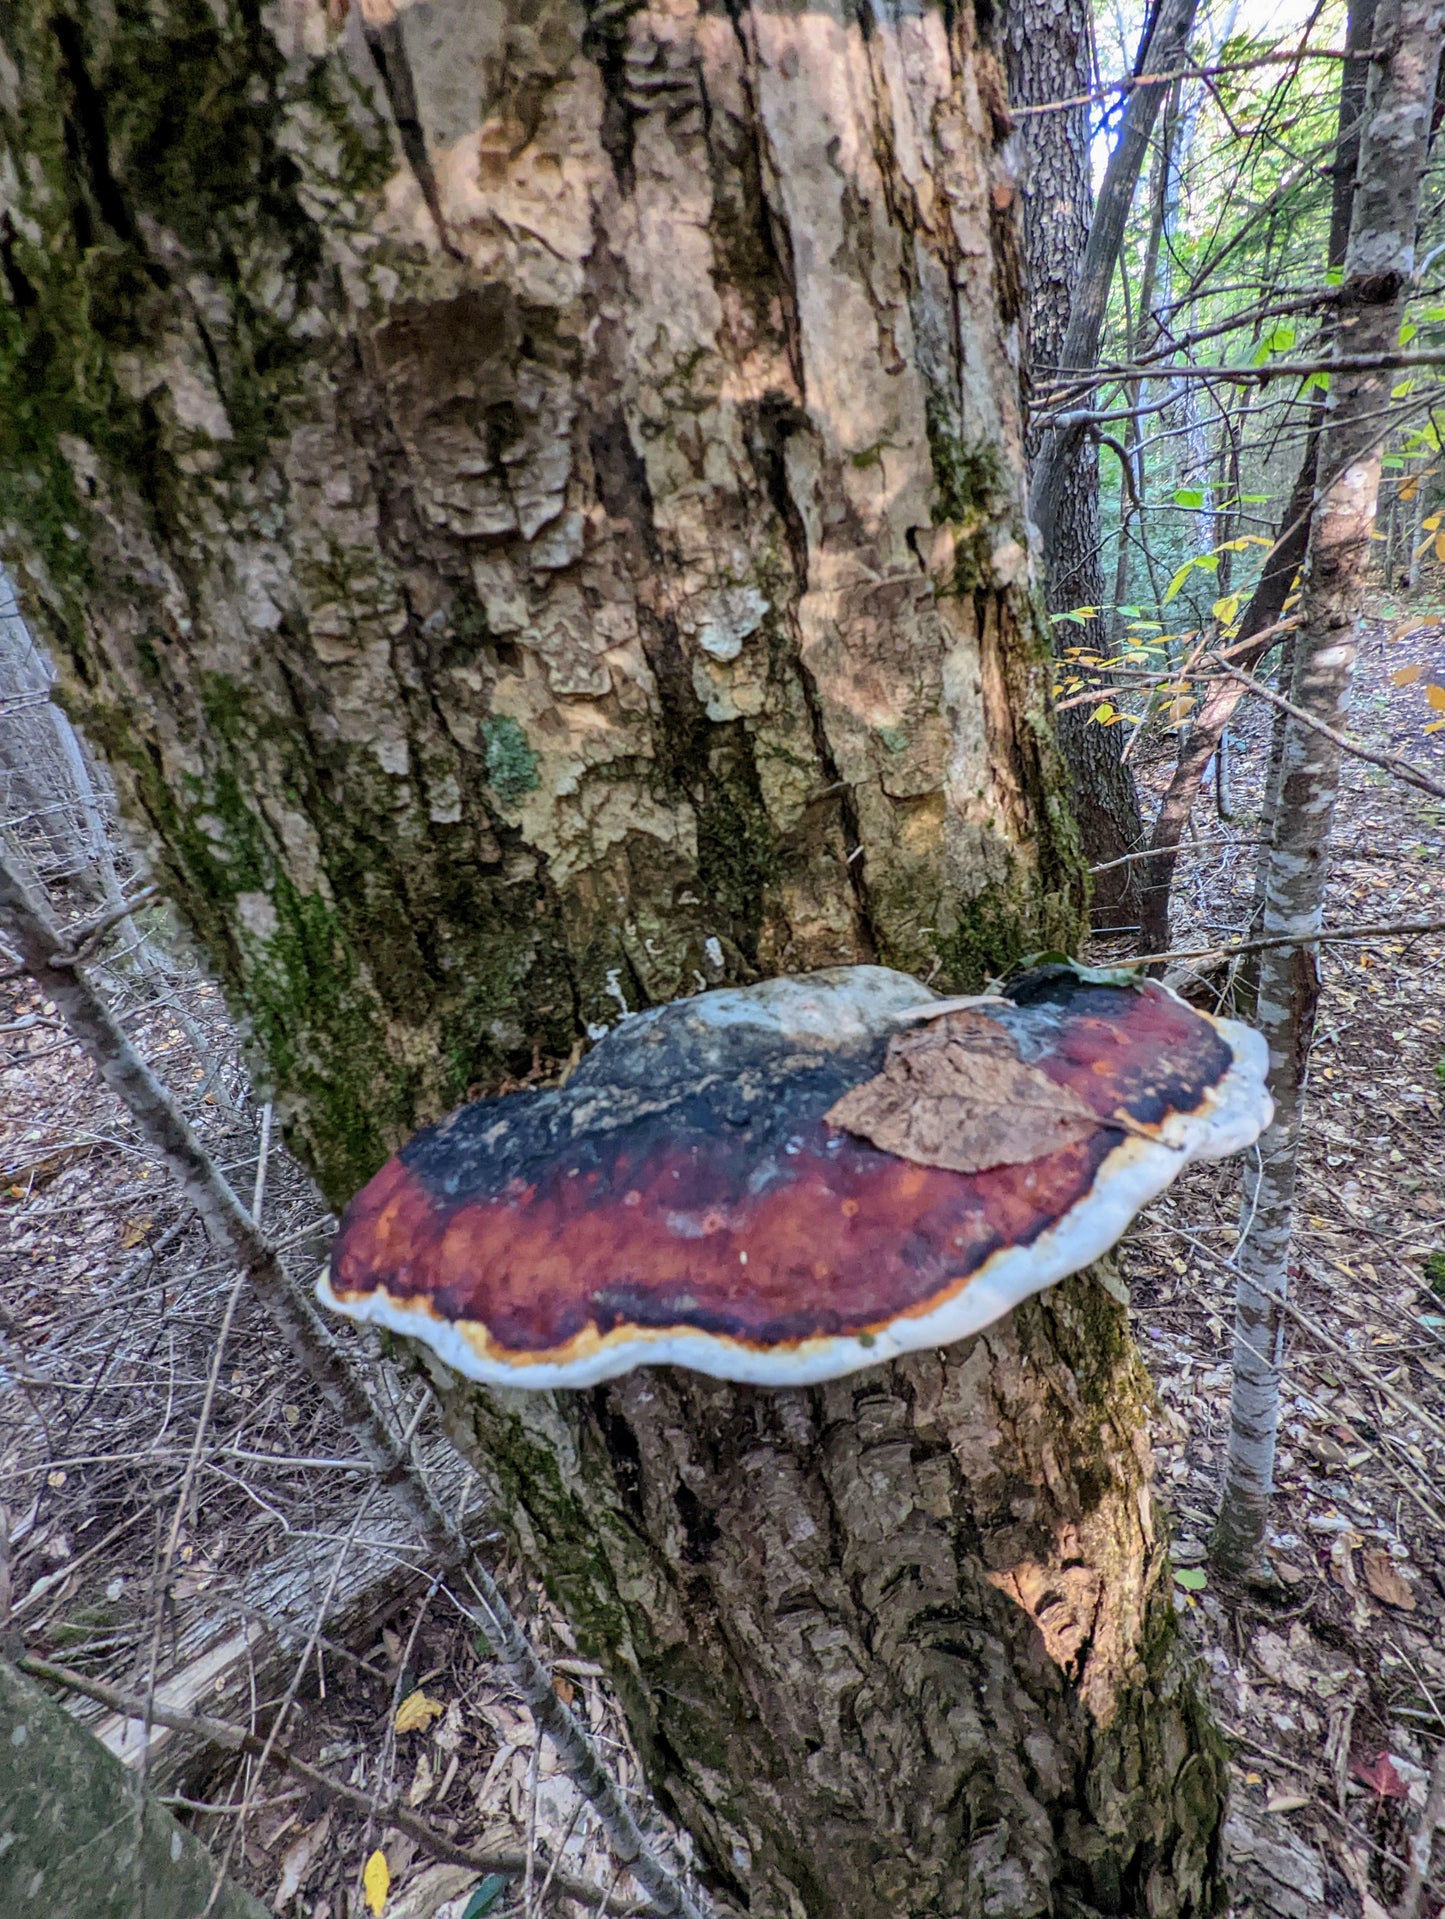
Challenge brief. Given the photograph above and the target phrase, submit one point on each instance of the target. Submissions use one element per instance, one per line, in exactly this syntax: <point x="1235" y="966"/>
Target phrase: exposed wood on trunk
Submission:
<point x="492" y="645"/>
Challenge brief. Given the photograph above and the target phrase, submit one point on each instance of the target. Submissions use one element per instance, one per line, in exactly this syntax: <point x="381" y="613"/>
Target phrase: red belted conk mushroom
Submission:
<point x="786" y="1182"/>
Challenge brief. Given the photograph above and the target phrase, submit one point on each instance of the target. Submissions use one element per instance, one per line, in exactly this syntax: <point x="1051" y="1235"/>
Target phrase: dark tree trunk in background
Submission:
<point x="532" y="509"/>
<point x="1047" y="47"/>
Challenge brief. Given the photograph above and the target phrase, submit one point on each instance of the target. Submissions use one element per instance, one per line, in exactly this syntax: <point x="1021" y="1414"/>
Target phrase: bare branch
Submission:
<point x="389" y="1812"/>
<point x="313" y="1347"/>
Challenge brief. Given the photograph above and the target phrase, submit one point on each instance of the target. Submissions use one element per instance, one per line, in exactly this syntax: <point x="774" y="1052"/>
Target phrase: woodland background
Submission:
<point x="182" y="1512"/>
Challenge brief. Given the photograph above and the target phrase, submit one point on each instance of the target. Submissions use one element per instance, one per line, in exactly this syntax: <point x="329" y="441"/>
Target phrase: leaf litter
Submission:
<point x="1341" y="1664"/>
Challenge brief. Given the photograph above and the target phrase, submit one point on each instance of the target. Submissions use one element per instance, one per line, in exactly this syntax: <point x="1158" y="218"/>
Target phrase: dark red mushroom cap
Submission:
<point x="684" y="1198"/>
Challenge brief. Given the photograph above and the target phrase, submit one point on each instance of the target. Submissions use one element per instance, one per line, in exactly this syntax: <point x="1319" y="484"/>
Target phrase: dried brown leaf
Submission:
<point x="956" y="1094"/>
<point x="1385" y="1579"/>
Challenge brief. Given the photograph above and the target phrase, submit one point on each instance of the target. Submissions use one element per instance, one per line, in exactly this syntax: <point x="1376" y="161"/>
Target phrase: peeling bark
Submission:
<point x="531" y="505"/>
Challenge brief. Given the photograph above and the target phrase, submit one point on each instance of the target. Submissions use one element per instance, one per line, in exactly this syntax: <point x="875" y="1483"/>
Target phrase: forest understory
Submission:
<point x="286" y="1577"/>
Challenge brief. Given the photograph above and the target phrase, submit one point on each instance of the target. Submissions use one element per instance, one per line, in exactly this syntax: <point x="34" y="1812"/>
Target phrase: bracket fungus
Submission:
<point x="787" y="1182"/>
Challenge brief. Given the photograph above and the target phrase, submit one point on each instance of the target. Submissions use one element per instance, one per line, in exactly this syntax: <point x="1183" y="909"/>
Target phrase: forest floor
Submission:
<point x="180" y="1504"/>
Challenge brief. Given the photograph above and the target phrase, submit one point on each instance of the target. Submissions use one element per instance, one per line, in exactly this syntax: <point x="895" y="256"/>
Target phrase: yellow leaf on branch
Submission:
<point x="376" y="1881"/>
<point x="416" y="1712"/>
<point x="1440" y="546"/>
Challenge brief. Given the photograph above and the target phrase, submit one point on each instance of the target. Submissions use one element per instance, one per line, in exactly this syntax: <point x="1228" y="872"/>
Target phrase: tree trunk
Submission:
<point x="1166" y="43"/>
<point x="1379" y="264"/>
<point x="1047" y="45"/>
<point x="80" y="1838"/>
<point x="945" y="1679"/>
<point x="532" y="508"/>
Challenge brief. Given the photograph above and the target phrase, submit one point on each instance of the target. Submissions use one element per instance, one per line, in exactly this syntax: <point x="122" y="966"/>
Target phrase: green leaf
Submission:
<point x="1408" y="330"/>
<point x="1131" y="612"/>
<point x="1255" y="499"/>
<point x="1190" y="496"/>
<point x="486" y="1895"/>
<point x="1176" y="585"/>
<point x="1321" y="380"/>
<point x="1191" y="1578"/>
<point x="1209" y="562"/>
<point x="1090" y="975"/>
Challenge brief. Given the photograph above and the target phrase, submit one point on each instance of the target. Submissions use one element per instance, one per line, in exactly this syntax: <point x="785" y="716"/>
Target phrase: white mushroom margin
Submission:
<point x="1229" y="1118"/>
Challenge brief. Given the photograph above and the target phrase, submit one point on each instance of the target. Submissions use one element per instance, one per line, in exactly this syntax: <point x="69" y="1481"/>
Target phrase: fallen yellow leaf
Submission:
<point x="1436" y="696"/>
<point x="376" y="1881"/>
<point x="1406" y="675"/>
<point x="416" y="1712"/>
<point x="135" y="1232"/>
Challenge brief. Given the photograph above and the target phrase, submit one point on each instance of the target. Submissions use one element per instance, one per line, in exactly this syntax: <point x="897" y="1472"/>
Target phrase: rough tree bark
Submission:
<point x="1378" y="267"/>
<point x="531" y="506"/>
<point x="1048" y="56"/>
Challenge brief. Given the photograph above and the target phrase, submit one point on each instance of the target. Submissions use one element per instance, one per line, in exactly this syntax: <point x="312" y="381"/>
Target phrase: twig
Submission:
<point x="314" y="1348"/>
<point x="1291" y="58"/>
<point x="221" y="1732"/>
<point x="1323" y="936"/>
<point x="85" y="939"/>
<point x="1404" y="770"/>
<point x="258" y="1192"/>
<point x="1160" y="852"/>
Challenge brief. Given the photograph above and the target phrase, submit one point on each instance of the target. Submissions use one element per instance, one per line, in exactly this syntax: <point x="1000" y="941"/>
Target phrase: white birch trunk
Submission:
<point x="1379" y="262"/>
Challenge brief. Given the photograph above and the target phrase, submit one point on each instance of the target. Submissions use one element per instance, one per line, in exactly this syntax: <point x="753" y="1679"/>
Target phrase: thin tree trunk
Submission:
<point x="550" y="538"/>
<point x="1379" y="261"/>
<point x="1172" y="24"/>
<point x="1266" y="603"/>
<point x="1049" y="57"/>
